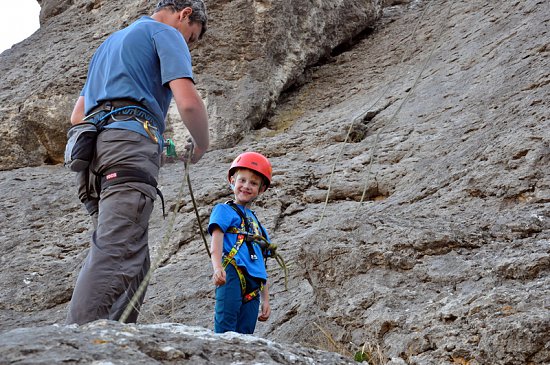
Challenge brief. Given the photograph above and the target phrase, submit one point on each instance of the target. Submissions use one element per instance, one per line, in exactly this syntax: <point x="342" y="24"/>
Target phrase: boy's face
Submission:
<point x="247" y="185"/>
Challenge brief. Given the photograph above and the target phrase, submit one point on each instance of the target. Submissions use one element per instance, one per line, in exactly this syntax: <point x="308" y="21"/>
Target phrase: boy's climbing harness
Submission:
<point x="245" y="235"/>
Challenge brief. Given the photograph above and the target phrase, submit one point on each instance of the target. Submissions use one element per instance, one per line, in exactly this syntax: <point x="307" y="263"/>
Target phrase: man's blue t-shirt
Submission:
<point x="223" y="217"/>
<point x="137" y="63"/>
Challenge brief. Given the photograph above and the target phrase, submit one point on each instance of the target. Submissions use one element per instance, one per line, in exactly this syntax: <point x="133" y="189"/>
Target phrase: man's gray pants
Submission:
<point x="118" y="259"/>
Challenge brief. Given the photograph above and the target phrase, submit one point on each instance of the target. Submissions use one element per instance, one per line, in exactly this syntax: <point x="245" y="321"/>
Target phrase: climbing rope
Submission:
<point x="163" y="247"/>
<point x="273" y="249"/>
<point x="424" y="66"/>
<point x="198" y="216"/>
<point x="361" y="116"/>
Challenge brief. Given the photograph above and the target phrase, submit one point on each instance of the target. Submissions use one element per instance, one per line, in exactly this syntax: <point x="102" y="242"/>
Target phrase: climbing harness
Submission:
<point x="246" y="235"/>
<point x="119" y="107"/>
<point x="114" y="177"/>
<point x="82" y="139"/>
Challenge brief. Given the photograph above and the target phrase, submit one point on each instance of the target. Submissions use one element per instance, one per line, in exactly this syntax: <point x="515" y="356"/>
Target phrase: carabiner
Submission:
<point x="151" y="135"/>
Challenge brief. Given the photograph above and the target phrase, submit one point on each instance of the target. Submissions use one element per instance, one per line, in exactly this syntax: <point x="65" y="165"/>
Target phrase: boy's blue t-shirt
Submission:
<point x="137" y="63"/>
<point x="223" y="217"/>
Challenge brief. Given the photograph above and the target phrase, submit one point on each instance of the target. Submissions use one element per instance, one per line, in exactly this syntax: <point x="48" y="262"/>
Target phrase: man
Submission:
<point x="131" y="80"/>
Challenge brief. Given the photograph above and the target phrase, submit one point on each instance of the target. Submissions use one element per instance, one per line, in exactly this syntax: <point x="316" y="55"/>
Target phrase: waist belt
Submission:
<point x="122" y="176"/>
<point x="124" y="107"/>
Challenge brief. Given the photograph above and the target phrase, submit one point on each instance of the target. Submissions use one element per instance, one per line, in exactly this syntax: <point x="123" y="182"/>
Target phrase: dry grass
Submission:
<point x="368" y="353"/>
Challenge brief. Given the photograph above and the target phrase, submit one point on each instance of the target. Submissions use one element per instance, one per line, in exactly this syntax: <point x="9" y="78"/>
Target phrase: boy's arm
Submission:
<point x="218" y="278"/>
<point x="265" y="309"/>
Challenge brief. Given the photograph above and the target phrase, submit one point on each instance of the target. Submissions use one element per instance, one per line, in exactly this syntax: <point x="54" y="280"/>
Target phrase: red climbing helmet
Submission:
<point x="255" y="162"/>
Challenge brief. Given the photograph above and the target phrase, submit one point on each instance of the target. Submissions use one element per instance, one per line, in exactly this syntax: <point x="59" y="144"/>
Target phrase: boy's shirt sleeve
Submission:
<point x="219" y="218"/>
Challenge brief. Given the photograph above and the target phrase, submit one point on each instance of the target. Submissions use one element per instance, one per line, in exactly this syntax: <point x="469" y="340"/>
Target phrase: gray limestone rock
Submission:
<point x="410" y="196"/>
<point x="253" y="51"/>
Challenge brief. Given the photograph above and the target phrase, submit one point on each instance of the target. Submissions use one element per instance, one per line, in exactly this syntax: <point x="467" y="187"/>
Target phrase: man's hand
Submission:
<point x="197" y="154"/>
<point x="192" y="150"/>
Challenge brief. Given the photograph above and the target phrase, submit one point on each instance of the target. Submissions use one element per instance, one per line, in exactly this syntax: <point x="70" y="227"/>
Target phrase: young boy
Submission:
<point x="240" y="274"/>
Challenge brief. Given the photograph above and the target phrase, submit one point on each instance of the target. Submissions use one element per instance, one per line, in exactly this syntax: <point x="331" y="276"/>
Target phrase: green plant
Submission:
<point x="370" y="354"/>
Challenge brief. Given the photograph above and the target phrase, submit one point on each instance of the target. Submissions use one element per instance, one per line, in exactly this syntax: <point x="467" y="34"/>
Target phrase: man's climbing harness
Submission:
<point x="119" y="176"/>
<point x="82" y="139"/>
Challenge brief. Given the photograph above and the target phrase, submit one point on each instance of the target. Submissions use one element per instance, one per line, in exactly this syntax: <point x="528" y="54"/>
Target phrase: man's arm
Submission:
<point x="193" y="113"/>
<point x="78" y="111"/>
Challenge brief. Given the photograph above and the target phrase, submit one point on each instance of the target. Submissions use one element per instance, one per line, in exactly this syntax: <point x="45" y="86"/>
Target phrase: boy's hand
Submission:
<point x="265" y="312"/>
<point x="218" y="278"/>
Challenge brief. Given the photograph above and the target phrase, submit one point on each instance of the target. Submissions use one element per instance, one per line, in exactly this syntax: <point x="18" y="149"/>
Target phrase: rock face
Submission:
<point x="253" y="51"/>
<point x="411" y="200"/>
<point x="108" y="342"/>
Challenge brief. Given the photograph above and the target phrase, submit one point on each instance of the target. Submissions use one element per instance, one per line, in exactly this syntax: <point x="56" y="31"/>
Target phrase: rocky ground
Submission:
<point x="411" y="200"/>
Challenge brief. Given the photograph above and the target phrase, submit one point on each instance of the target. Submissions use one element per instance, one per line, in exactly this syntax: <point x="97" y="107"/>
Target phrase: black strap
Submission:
<point x="232" y="204"/>
<point x="114" y="177"/>
<point x="264" y="233"/>
<point x="248" y="229"/>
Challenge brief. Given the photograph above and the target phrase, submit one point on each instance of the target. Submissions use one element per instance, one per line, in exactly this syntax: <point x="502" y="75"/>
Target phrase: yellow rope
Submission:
<point x="163" y="247"/>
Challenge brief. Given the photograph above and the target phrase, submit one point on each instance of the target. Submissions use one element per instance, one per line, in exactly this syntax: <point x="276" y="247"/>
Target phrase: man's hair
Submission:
<point x="198" y="14"/>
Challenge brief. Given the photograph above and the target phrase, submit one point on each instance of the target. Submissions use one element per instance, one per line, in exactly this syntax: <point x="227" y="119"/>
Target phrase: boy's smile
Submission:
<point x="246" y="186"/>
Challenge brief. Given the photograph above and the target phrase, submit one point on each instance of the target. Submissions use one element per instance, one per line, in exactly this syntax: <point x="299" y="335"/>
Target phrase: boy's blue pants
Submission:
<point x="231" y="313"/>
